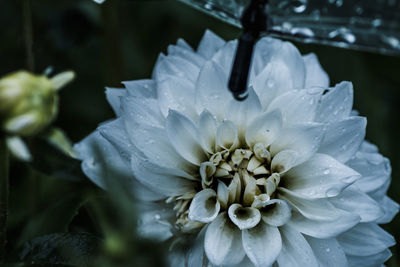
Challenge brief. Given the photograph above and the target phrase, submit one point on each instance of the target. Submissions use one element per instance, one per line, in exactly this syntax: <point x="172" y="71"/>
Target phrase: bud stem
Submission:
<point x="4" y="192"/>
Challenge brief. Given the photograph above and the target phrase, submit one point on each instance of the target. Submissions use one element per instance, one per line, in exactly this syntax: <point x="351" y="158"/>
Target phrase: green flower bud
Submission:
<point x="28" y="102"/>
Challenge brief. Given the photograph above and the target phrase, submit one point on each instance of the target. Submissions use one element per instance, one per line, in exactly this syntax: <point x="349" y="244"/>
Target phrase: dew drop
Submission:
<point x="332" y="192"/>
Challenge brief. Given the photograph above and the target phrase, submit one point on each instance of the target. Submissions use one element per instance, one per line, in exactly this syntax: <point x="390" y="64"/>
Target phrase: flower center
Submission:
<point x="241" y="177"/>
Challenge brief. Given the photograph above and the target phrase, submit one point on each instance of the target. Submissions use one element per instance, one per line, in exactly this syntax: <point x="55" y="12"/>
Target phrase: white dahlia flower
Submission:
<point x="283" y="178"/>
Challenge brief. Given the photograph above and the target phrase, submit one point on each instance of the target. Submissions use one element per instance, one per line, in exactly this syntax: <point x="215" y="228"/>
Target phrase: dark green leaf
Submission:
<point x="67" y="249"/>
<point x="56" y="218"/>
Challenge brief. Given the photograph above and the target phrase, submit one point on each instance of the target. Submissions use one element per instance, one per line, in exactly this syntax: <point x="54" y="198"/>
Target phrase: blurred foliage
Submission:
<point x="120" y="40"/>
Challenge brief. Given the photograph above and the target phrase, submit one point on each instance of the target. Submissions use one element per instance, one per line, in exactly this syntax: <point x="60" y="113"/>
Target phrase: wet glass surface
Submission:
<point x="370" y="25"/>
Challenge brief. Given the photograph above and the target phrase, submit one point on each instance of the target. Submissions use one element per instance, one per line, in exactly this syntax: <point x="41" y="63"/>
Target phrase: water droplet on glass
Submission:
<point x="377" y="22"/>
<point x="299" y="6"/>
<point x="302" y="31"/>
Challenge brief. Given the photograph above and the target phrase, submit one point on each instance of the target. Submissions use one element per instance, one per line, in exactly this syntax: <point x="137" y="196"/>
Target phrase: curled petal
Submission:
<point x="276" y="212"/>
<point x="244" y="217"/>
<point x="204" y="207"/>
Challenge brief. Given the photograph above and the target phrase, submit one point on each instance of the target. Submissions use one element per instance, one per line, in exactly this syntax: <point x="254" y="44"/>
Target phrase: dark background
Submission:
<point x="120" y="40"/>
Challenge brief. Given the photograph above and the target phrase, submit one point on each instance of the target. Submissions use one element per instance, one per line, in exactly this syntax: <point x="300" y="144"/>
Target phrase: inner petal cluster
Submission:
<point x="241" y="181"/>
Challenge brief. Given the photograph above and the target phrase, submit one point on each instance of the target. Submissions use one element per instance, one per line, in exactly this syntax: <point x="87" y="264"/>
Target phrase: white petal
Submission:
<point x="297" y="106"/>
<point x="141" y="88"/>
<point x="244" y="217"/>
<point x="184" y="137"/>
<point x="103" y="165"/>
<point x="343" y="138"/>
<point x="336" y="104"/>
<point x="211" y="90"/>
<point x="319" y="177"/>
<point x="264" y="128"/>
<point x="184" y="51"/>
<point x="390" y="208"/>
<point x="114" y="132"/>
<point x="323" y="229"/>
<point x="284" y="161"/>
<point x="224" y="57"/>
<point x="210" y="44"/>
<point x="154" y="143"/>
<point x="207" y="126"/>
<point x="223" y="242"/>
<point x="153" y="221"/>
<point x="365" y="239"/>
<point x="141" y="111"/>
<point x="113" y="96"/>
<point x="262" y="244"/>
<point x="223" y="194"/>
<point x="227" y="136"/>
<point x="313" y="209"/>
<point x="176" y="66"/>
<point x="374" y="168"/>
<point x="369" y="261"/>
<point x="196" y="256"/>
<point x="166" y="181"/>
<point x="355" y="201"/>
<point x="178" y="94"/>
<point x="315" y="75"/>
<point x="18" y="148"/>
<point x="243" y="112"/>
<point x="204" y="207"/>
<point x="328" y="252"/>
<point x="264" y="50"/>
<point x="296" y="252"/>
<point x="176" y="258"/>
<point x="304" y="139"/>
<point x="276" y="213"/>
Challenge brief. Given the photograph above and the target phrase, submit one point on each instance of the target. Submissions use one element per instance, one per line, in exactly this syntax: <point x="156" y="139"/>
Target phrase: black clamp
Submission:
<point x="254" y="21"/>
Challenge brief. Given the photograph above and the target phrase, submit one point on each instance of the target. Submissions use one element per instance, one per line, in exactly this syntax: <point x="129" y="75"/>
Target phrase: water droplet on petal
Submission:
<point x="332" y="192"/>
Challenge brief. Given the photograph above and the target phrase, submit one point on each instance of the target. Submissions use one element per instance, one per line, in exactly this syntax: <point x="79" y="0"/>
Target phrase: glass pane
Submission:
<point x="372" y="25"/>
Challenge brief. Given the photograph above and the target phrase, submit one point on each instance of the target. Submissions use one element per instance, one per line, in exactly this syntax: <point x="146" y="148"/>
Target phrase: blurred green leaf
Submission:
<point x="53" y="162"/>
<point x="55" y="218"/>
<point x="72" y="249"/>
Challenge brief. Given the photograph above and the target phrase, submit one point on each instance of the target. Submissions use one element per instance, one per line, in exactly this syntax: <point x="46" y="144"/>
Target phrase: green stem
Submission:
<point x="28" y="32"/>
<point x="4" y="191"/>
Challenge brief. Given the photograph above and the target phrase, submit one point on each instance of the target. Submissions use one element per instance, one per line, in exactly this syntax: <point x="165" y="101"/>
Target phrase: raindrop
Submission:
<point x="327" y="171"/>
<point x="332" y="192"/>
<point x="157" y="216"/>
<point x="328" y="250"/>
<point x="349" y="179"/>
